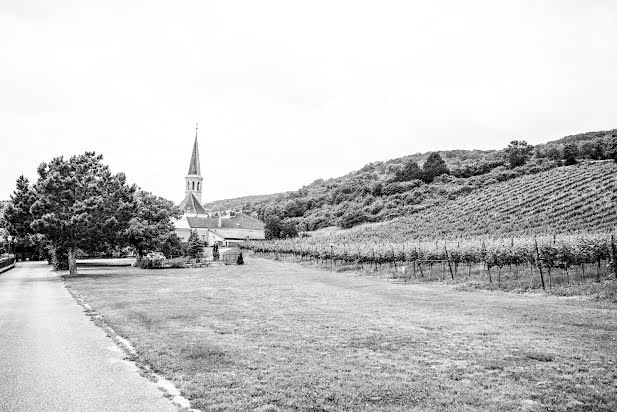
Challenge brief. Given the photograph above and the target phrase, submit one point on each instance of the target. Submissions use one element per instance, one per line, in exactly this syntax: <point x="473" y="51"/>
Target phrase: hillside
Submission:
<point x="237" y="202"/>
<point x="382" y="191"/>
<point x="579" y="198"/>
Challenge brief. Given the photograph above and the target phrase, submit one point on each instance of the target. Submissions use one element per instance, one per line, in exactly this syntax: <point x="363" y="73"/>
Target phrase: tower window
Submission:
<point x="193" y="185"/>
<point x="198" y="186"/>
<point x="188" y="186"/>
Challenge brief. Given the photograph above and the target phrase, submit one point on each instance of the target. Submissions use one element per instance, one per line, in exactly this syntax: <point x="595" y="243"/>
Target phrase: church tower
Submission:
<point x="193" y="185"/>
<point x="193" y="180"/>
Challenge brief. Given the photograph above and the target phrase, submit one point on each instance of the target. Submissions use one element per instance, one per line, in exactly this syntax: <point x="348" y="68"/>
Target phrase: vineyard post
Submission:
<point x="448" y="258"/>
<point x="614" y="255"/>
<point x="373" y="260"/>
<point x="539" y="264"/>
<point x="331" y="256"/>
<point x="532" y="274"/>
<point x="394" y="259"/>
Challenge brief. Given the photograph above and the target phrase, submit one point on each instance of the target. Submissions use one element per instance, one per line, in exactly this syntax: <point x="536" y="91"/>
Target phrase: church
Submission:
<point x="222" y="228"/>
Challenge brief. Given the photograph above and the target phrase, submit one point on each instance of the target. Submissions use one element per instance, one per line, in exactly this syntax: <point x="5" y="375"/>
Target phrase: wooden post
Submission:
<point x="449" y="264"/>
<point x="614" y="255"/>
<point x="539" y="264"/>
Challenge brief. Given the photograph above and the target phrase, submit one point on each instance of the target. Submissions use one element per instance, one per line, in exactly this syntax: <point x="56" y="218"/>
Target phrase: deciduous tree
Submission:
<point x="410" y="171"/>
<point x="570" y="152"/>
<point x="518" y="152"/>
<point x="434" y="166"/>
<point x="151" y="227"/>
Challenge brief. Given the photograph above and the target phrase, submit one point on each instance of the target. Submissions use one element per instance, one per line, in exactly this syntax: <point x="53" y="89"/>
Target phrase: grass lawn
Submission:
<point x="275" y="336"/>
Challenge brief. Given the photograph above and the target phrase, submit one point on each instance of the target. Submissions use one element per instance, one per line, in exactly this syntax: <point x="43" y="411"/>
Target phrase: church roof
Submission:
<point x="194" y="166"/>
<point x="190" y="204"/>
<point x="238" y="222"/>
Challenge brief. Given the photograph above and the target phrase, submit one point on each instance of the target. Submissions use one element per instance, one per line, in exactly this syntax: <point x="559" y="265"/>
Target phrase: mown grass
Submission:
<point x="275" y="336"/>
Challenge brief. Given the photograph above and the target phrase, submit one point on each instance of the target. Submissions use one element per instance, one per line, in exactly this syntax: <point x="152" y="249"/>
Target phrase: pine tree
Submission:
<point x="17" y="216"/>
<point x="80" y="204"/>
<point x="195" y="246"/>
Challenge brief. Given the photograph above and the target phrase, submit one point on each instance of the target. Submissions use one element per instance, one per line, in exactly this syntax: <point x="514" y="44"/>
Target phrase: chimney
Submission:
<point x="220" y="220"/>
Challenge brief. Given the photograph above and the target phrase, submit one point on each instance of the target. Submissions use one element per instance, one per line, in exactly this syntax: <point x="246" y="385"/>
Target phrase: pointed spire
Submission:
<point x="194" y="167"/>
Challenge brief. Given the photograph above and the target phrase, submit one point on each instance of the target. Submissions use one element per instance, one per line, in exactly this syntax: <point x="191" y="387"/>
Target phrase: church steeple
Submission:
<point x="194" y="180"/>
<point x="194" y="168"/>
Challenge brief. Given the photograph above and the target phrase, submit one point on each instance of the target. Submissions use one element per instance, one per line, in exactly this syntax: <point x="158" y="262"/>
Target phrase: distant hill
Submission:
<point x="582" y="137"/>
<point x="384" y="190"/>
<point x="237" y="202"/>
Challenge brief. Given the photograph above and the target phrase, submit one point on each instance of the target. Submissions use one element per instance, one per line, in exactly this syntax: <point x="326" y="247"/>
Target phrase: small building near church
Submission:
<point x="212" y="227"/>
<point x="225" y="232"/>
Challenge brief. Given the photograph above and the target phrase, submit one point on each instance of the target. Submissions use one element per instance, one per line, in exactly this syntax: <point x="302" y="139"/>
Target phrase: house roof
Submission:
<point x="238" y="222"/>
<point x="194" y="166"/>
<point x="238" y="233"/>
<point x="191" y="204"/>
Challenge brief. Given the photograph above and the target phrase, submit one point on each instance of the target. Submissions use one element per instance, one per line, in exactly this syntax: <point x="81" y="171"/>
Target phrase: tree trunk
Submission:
<point x="72" y="262"/>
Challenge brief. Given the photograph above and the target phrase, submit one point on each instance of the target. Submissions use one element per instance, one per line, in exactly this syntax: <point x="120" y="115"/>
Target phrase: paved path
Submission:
<point x="53" y="358"/>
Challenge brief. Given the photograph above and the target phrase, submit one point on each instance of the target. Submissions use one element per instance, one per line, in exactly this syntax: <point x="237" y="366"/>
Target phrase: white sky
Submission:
<point x="287" y="92"/>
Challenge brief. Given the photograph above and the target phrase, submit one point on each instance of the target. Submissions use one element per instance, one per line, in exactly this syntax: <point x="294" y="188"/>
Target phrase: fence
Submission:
<point x="7" y="263"/>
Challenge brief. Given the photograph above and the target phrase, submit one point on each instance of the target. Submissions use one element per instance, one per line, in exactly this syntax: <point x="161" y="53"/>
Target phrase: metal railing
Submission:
<point x="6" y="262"/>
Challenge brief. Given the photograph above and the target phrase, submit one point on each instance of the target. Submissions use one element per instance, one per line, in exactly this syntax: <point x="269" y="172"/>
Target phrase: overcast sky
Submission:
<point x="287" y="92"/>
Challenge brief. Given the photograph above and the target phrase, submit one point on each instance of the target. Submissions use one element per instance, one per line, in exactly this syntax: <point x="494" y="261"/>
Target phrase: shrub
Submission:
<point x="352" y="218"/>
<point x="59" y="258"/>
<point x="152" y="260"/>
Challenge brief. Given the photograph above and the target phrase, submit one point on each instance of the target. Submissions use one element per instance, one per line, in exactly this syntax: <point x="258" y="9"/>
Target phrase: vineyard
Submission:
<point x="570" y="199"/>
<point x="545" y="261"/>
<point x="498" y="234"/>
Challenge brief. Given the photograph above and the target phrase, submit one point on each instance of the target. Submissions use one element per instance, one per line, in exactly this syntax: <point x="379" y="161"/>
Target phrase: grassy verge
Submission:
<point x="281" y="336"/>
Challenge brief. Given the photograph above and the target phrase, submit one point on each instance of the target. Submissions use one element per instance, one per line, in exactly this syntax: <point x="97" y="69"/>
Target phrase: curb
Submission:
<point x="165" y="385"/>
<point x="7" y="268"/>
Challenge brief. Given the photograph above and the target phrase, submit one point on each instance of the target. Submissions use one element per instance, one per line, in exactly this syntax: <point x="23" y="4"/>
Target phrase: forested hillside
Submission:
<point x="382" y="191"/>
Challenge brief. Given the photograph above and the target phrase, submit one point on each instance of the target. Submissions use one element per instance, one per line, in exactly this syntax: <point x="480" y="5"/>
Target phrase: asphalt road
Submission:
<point x="53" y="358"/>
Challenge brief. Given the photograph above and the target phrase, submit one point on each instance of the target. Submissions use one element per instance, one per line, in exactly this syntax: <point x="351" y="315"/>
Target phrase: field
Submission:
<point x="275" y="336"/>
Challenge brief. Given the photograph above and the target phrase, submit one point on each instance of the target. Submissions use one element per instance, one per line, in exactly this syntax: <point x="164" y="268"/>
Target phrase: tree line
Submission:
<point x="77" y="206"/>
